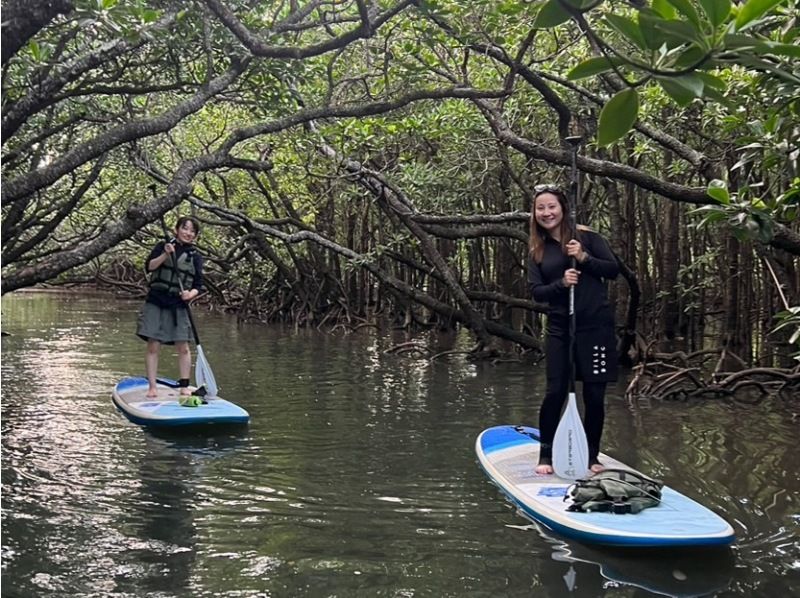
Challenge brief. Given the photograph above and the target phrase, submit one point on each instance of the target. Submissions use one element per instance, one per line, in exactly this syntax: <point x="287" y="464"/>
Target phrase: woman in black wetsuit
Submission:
<point x="549" y="277"/>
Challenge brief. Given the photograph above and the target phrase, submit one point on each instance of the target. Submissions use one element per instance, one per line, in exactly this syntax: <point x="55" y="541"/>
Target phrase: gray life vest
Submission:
<point x="616" y="491"/>
<point x="163" y="278"/>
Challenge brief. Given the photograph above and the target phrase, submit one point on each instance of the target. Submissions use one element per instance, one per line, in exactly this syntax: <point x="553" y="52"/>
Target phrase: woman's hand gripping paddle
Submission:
<point x="203" y="376"/>
<point x="570" y="448"/>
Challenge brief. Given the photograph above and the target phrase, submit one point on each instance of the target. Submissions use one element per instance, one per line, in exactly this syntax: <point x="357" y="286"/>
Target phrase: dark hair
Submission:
<point x="184" y="219"/>
<point x="537" y="234"/>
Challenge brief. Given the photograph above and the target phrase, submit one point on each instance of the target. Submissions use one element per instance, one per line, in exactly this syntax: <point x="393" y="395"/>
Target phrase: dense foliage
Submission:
<point x="363" y="157"/>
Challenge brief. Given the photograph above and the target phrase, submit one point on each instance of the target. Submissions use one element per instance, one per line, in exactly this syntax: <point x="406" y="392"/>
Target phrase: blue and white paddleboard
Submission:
<point x="166" y="410"/>
<point x="509" y="454"/>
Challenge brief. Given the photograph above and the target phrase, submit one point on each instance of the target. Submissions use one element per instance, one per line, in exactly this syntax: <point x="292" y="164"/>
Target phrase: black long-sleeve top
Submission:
<point x="545" y="281"/>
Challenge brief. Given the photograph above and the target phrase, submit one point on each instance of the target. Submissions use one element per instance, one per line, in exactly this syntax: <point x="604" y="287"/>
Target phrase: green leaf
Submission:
<point x="510" y="8"/>
<point x="36" y="50"/>
<point x="658" y="31"/>
<point x="664" y="9"/>
<point x="550" y="15"/>
<point x="682" y="89"/>
<point x="617" y="116"/>
<point x="680" y="32"/>
<point x="717" y="11"/>
<point x="687" y="10"/>
<point x="691" y="82"/>
<point x="710" y="80"/>
<point x="690" y="57"/>
<point x="719" y="190"/>
<point x="628" y="28"/>
<point x="768" y="47"/>
<point x="678" y="93"/>
<point x="739" y="42"/>
<point x="591" y="67"/>
<point x="753" y="10"/>
<point x="711" y="214"/>
<point x="652" y="37"/>
<point x="762" y="65"/>
<point x="713" y="88"/>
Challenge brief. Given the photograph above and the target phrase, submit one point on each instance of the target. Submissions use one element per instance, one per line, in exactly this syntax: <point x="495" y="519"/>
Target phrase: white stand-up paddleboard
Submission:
<point x="509" y="454"/>
<point x="129" y="396"/>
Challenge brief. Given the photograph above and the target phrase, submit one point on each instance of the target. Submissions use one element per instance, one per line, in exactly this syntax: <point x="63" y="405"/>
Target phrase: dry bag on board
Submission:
<point x="614" y="490"/>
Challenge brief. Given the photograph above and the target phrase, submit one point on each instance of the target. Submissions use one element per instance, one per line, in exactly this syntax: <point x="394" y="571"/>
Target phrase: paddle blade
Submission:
<point x="203" y="374"/>
<point x="570" y="449"/>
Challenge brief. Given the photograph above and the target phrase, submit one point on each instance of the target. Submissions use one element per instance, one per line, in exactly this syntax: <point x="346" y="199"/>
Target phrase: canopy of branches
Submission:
<point x="334" y="147"/>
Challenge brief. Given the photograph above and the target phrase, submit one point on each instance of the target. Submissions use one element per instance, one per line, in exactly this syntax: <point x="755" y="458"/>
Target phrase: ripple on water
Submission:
<point x="356" y="477"/>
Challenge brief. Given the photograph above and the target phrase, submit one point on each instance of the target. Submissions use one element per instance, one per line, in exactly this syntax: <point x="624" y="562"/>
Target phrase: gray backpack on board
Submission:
<point x="614" y="490"/>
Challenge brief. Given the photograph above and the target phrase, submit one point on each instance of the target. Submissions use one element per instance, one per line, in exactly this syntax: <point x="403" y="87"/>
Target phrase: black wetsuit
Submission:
<point x="595" y="340"/>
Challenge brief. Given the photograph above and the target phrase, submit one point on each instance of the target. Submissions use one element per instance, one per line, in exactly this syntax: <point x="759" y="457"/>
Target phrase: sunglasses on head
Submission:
<point x="547" y="188"/>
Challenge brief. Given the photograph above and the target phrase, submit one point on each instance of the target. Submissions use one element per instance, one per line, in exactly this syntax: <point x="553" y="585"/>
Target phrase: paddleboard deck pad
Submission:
<point x="129" y="396"/>
<point x="509" y="454"/>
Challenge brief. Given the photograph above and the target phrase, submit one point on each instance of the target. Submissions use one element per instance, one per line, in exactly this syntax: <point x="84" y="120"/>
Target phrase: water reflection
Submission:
<point x="356" y="476"/>
<point x="169" y="504"/>
<point x="162" y="517"/>
<point x="673" y="573"/>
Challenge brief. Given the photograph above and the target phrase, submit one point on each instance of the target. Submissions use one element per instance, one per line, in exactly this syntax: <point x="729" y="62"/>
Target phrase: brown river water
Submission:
<point x="356" y="476"/>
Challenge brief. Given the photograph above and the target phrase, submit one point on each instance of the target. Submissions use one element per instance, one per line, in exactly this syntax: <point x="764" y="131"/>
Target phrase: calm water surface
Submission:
<point x="356" y="477"/>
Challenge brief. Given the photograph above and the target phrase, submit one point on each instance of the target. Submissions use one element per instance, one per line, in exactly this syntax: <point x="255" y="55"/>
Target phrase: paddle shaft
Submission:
<point x="573" y="217"/>
<point x="570" y="451"/>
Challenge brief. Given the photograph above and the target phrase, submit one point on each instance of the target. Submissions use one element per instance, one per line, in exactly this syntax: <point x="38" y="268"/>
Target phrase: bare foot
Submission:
<point x="597" y="467"/>
<point x="544" y="469"/>
<point x="185" y="392"/>
<point x="152" y="393"/>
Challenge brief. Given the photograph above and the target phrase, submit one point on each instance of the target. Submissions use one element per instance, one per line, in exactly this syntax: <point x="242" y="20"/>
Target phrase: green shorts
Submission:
<point x="163" y="324"/>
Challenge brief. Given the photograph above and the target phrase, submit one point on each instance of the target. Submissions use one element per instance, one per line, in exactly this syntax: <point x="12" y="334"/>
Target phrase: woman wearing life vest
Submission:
<point x="550" y="276"/>
<point x="163" y="318"/>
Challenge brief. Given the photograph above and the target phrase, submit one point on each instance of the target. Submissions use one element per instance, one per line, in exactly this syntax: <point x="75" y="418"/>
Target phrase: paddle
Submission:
<point x="204" y="377"/>
<point x="570" y="448"/>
